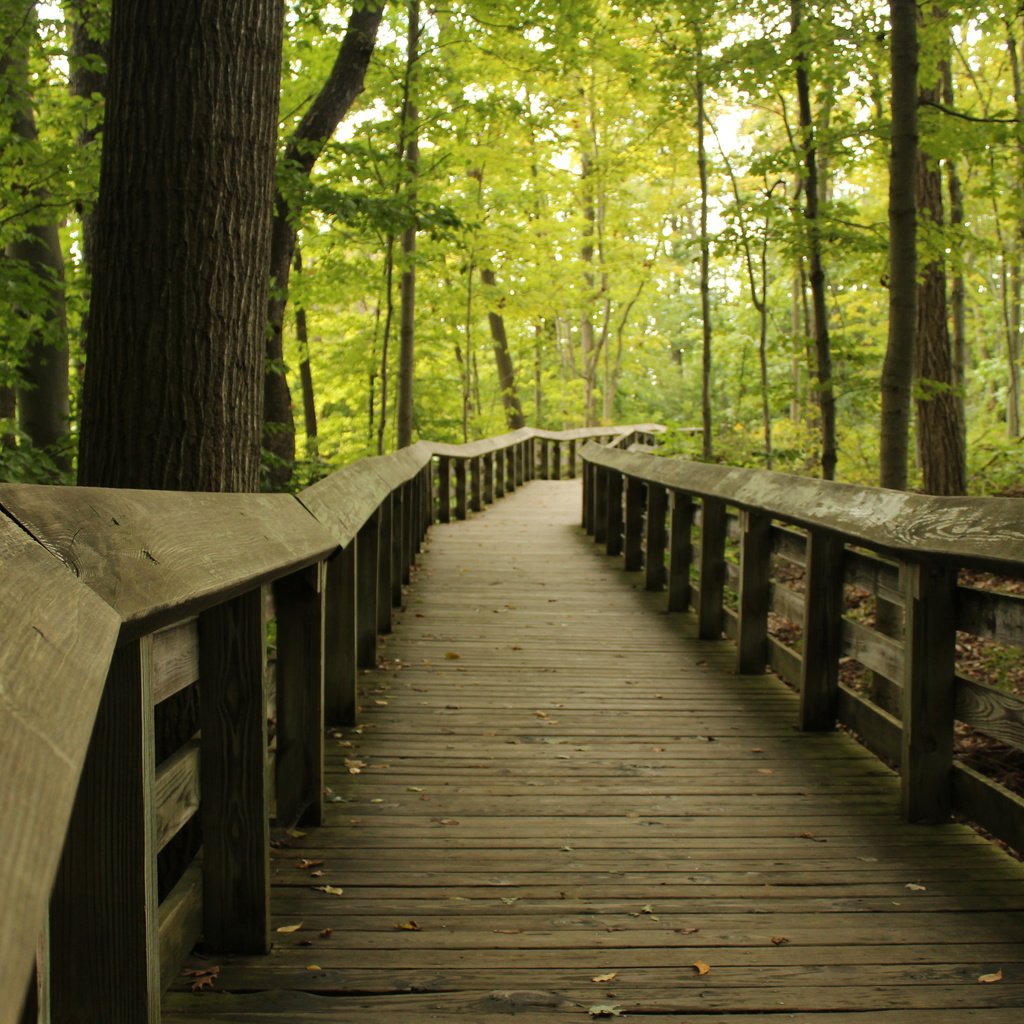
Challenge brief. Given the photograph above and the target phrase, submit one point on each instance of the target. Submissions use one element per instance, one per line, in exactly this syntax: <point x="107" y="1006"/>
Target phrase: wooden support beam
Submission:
<point x="512" y="471"/>
<point x="104" y="953"/>
<point x="461" y="502"/>
<point x="613" y="544"/>
<point x="601" y="476"/>
<point x="710" y="609"/>
<point x="823" y="629"/>
<point x="444" y="489"/>
<point x="476" y="484"/>
<point x="929" y="691"/>
<point x="402" y="512"/>
<point x="500" y="473"/>
<point x="489" y="478"/>
<point x="544" y="457"/>
<point x="340" y="663"/>
<point x="367" y="553"/>
<point x="755" y="592"/>
<point x="680" y="557"/>
<point x="388" y="528"/>
<point x="633" y="534"/>
<point x="657" y="537"/>
<point x="556" y="460"/>
<point x="572" y="460"/>
<point x="587" y="518"/>
<point x="407" y="554"/>
<point x="299" y="764"/>
<point x="233" y="775"/>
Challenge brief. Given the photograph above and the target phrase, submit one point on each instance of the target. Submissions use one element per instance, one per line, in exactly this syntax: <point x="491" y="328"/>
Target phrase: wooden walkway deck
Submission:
<point x="561" y="807"/>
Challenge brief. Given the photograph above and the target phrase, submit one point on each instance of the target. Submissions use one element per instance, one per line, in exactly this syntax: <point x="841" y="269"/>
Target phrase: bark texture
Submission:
<point x="174" y="382"/>
<point x="897" y="369"/>
<point x="503" y="358"/>
<point x="332" y="103"/>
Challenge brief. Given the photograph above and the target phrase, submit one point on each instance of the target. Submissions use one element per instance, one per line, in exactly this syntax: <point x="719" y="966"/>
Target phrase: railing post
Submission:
<point x="489" y="478"/>
<point x="588" y="499"/>
<point x="929" y="691"/>
<point x="710" y="613"/>
<point x="634" y="524"/>
<point x="512" y="457"/>
<point x="680" y="552"/>
<point x="823" y="625"/>
<point x="755" y="592"/>
<point x="476" y="482"/>
<point x="657" y="508"/>
<point x="367" y="553"/>
<point x="461" y="505"/>
<point x="531" y="459"/>
<point x="233" y="775"/>
<point x="613" y="545"/>
<point x="409" y="528"/>
<point x="388" y="527"/>
<point x="403" y="514"/>
<point x="340" y="668"/>
<point x="299" y="764"/>
<point x="601" y="504"/>
<point x="556" y="460"/>
<point x="572" y="460"/>
<point x="499" y="473"/>
<point x="544" y="445"/>
<point x="104" y="953"/>
<point x="444" y="489"/>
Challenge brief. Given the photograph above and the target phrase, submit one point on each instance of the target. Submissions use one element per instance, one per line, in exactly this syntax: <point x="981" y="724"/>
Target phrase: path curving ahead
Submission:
<point x="561" y="807"/>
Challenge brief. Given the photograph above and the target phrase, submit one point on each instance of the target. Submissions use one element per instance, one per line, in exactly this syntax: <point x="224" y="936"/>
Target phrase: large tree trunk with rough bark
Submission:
<point x="319" y="123"/>
<point x="897" y="370"/>
<point x="503" y="359"/>
<point x="174" y="382"/>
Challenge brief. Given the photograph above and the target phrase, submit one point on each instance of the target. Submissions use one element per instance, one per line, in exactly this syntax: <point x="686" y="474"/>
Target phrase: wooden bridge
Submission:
<point x="548" y="788"/>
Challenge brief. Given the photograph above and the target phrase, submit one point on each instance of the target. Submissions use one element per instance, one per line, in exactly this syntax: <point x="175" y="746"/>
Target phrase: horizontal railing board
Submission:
<point x="58" y="642"/>
<point x="991" y="615"/>
<point x="175" y="659"/>
<point x="993" y="711"/>
<point x="159" y="556"/>
<point x="981" y="532"/>
<point x="176" y="795"/>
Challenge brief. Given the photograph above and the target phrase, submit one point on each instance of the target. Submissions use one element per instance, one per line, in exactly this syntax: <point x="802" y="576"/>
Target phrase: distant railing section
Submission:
<point x="116" y="601"/>
<point x="803" y="547"/>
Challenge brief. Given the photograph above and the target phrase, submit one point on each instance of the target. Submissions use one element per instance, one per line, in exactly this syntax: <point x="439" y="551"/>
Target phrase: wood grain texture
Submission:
<point x="987" y="532"/>
<point x="157" y="557"/>
<point x="582" y="788"/>
<point x="58" y="642"/>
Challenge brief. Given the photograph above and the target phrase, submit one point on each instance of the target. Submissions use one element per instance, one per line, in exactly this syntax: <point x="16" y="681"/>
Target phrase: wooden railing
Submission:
<point x="116" y="601"/>
<point x="904" y="550"/>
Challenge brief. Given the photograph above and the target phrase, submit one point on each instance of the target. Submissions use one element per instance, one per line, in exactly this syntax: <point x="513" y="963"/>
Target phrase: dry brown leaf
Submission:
<point x="508" y="931"/>
<point x="408" y="926"/>
<point x="988" y="979"/>
<point x="452" y="655"/>
<point x="201" y="972"/>
<point x="601" y="978"/>
<point x="701" y="968"/>
<point x="687" y="931"/>
<point x="204" y="982"/>
<point x="765" y="771"/>
<point x="779" y="940"/>
<point x="287" y="929"/>
<point x="914" y="887"/>
<point x="316" y="874"/>
<point x="541" y="714"/>
<point x="326" y="933"/>
<point x="331" y="890"/>
<point x="447" y="821"/>
<point x="309" y="863"/>
<point x="314" y="967"/>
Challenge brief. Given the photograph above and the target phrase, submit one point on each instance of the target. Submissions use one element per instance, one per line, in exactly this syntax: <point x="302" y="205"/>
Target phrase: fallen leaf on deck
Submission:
<point x="296" y="834"/>
<point x="381" y="703"/>
<point x="988" y="979"/>
<point x="541" y="714"/>
<point x="309" y="863"/>
<point x="414" y="789"/>
<point x="509" y="900"/>
<point x="326" y="933"/>
<point x="447" y="821"/>
<point x="408" y="926"/>
<point x="452" y="656"/>
<point x="779" y="940"/>
<point x="331" y="890"/>
<point x="765" y="771"/>
<point x="812" y="837"/>
<point x="914" y="887"/>
<point x="605" y="1010"/>
<point x="314" y="967"/>
<point x="304" y="942"/>
<point x="201" y="972"/>
<point x="701" y="968"/>
<point x="288" y="928"/>
<point x="316" y="874"/>
<point x="687" y="931"/>
<point x="647" y="908"/>
<point x="205" y="982"/>
<point x="601" y="978"/>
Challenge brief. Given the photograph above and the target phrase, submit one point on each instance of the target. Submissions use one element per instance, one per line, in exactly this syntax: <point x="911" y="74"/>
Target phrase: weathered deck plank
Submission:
<point x="554" y="783"/>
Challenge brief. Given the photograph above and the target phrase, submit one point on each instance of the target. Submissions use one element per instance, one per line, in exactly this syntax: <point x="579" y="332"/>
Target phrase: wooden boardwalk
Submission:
<point x="563" y="808"/>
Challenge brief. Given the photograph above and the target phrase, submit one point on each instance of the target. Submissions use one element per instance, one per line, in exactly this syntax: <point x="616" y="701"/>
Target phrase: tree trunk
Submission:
<point x="42" y="394"/>
<point x="1013" y="347"/>
<point x="503" y="359"/>
<point x="306" y="373"/>
<point x="173" y="389"/>
<point x="812" y="217"/>
<point x="332" y="103"/>
<point x="897" y="370"/>
<point x="407" y="319"/>
<point x="707" y="450"/>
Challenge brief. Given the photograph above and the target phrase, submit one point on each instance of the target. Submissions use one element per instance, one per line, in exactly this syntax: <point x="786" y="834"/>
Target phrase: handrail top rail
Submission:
<point x="982" y="532"/>
<point x="156" y="557"/>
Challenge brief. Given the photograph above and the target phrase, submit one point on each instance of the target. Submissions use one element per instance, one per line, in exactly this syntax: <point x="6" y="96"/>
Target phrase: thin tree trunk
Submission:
<point x="42" y="394"/>
<point x="173" y="391"/>
<point x="407" y="321"/>
<point x="389" y="316"/>
<point x="707" y="449"/>
<point x="812" y="217"/>
<point x="503" y="358"/>
<point x="1013" y="347"/>
<point x="332" y="103"/>
<point x="897" y="370"/>
<point x="306" y="373"/>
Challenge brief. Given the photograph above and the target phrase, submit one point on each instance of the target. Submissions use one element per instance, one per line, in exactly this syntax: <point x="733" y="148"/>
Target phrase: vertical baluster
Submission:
<point x="657" y="540"/>
<point x="613" y="545"/>
<point x="755" y="591"/>
<point x="823" y="620"/>
<point x="710" y="617"/>
<point x="634" y="524"/>
<point x="340" y="661"/>
<point x="680" y="552"/>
